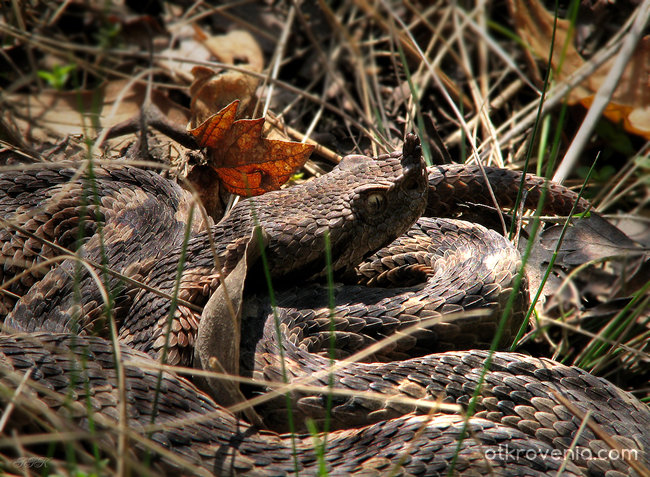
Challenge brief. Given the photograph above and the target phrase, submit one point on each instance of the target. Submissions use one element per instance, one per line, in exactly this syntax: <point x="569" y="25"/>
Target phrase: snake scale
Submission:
<point x="57" y="342"/>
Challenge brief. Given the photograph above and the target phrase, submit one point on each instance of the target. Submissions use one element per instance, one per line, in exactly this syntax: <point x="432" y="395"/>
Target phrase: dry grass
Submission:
<point x="354" y="78"/>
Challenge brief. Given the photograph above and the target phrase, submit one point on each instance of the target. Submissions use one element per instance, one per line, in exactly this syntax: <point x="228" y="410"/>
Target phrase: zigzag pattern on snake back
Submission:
<point x="134" y="221"/>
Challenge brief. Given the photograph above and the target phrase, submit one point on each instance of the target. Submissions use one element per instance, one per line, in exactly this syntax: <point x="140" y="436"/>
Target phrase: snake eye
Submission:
<point x="375" y="203"/>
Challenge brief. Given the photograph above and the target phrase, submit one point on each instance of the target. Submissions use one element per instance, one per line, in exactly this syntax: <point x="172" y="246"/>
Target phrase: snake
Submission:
<point x="386" y="370"/>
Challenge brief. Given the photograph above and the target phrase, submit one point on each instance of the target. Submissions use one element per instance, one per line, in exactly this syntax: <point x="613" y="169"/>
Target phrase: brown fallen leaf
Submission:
<point x="247" y="163"/>
<point x="630" y="103"/>
<point x="212" y="90"/>
<point x="236" y="46"/>
<point x="51" y="115"/>
<point x="218" y="337"/>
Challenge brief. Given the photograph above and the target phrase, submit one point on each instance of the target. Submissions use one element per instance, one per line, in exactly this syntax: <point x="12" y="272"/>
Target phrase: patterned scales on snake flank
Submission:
<point x="57" y="341"/>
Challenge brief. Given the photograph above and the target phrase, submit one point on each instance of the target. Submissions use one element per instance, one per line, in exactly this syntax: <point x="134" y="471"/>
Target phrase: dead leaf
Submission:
<point x="213" y="130"/>
<point x="247" y="163"/>
<point x="235" y="47"/>
<point x="212" y="90"/>
<point x="219" y="333"/>
<point x="51" y="115"/>
<point x="179" y="60"/>
<point x="630" y="103"/>
<point x="590" y="238"/>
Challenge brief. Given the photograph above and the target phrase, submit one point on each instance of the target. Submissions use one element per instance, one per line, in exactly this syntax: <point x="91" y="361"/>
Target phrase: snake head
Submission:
<point x="388" y="199"/>
<point x="362" y="205"/>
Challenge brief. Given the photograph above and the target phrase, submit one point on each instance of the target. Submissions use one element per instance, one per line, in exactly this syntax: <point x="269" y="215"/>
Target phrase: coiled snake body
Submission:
<point x="57" y="335"/>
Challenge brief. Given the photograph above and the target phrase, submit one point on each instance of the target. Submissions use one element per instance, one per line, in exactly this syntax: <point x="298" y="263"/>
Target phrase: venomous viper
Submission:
<point x="60" y="369"/>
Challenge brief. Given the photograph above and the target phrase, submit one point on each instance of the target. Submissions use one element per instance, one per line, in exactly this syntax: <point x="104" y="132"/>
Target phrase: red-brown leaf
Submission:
<point x="247" y="163"/>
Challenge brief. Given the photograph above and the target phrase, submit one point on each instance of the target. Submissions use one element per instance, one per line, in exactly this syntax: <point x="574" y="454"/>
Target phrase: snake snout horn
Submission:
<point x="411" y="154"/>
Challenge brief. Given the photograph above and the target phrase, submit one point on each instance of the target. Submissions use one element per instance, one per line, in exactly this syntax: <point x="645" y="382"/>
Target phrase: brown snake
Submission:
<point x="57" y="336"/>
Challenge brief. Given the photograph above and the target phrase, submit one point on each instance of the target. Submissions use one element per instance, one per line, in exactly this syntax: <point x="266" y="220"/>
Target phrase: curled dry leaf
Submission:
<point x="247" y="163"/>
<point x="630" y="102"/>
<point x="213" y="90"/>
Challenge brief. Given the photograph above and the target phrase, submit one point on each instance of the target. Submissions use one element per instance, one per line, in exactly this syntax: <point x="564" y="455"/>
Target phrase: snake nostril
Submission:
<point x="411" y="182"/>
